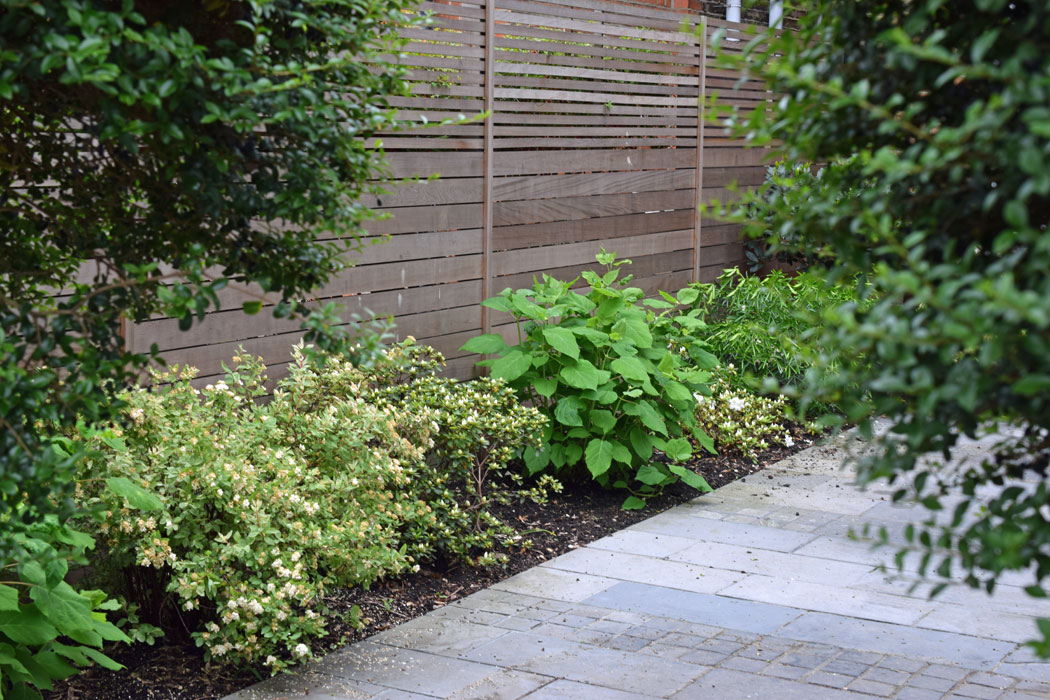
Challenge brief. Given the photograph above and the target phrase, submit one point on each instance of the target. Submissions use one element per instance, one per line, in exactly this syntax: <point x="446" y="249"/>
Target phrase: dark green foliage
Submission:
<point x="614" y="372"/>
<point x="153" y="154"/>
<point x="941" y="114"/>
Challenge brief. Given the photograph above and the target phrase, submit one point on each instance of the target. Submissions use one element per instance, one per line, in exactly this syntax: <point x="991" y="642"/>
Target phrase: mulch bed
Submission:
<point x="579" y="515"/>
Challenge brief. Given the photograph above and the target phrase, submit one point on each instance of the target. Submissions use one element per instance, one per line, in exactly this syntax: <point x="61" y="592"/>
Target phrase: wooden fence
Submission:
<point x="595" y="140"/>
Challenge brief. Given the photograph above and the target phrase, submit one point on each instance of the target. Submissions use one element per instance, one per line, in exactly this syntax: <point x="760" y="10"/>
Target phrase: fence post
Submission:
<point x="486" y="187"/>
<point x="702" y="80"/>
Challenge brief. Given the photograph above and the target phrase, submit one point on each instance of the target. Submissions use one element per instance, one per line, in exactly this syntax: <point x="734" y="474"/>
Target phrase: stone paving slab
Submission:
<point x="754" y="591"/>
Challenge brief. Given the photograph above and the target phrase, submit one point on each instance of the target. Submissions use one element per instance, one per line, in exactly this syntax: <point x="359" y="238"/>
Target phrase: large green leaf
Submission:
<point x="8" y="598"/>
<point x="687" y="295"/>
<point x="66" y="609"/>
<point x="678" y="449"/>
<point x="598" y="456"/>
<point x="101" y="659"/>
<point x="597" y="337"/>
<point x="27" y="626"/>
<point x="498" y="303"/>
<point x="136" y="496"/>
<point x="567" y="411"/>
<point x="638" y="332"/>
<point x="630" y="368"/>
<point x="536" y="460"/>
<point x="648" y="414"/>
<point x="620" y="453"/>
<point x="545" y="386"/>
<point x="676" y="391"/>
<point x="485" y="344"/>
<point x="604" y="420"/>
<point x="642" y="444"/>
<point x="512" y="365"/>
<point x="583" y="375"/>
<point x="562" y="340"/>
<point x="650" y="475"/>
<point x="690" y="477"/>
<point x="633" y="503"/>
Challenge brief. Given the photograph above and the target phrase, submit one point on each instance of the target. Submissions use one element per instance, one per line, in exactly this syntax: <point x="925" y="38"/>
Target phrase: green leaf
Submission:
<point x="487" y="344"/>
<point x="545" y="386"/>
<point x="66" y="609"/>
<point x="498" y="303"/>
<point x="136" y="496"/>
<point x="1031" y="384"/>
<point x="7" y="656"/>
<point x="567" y="411"/>
<point x="8" y="598"/>
<point x="633" y="503"/>
<point x="676" y="391"/>
<point x="31" y="571"/>
<point x="642" y="444"/>
<point x="597" y="337"/>
<point x="602" y="419"/>
<point x="678" y="449"/>
<point x="703" y="359"/>
<point x="620" y="453"/>
<point x="638" y="333"/>
<point x="691" y="478"/>
<point x="27" y="626"/>
<point x="573" y="454"/>
<point x="512" y="365"/>
<point x="705" y="440"/>
<point x="687" y="295"/>
<point x="630" y="368"/>
<point x="583" y="375"/>
<point x="54" y="665"/>
<point x="650" y="475"/>
<point x="598" y="456"/>
<point x="101" y="659"/>
<point x="666" y="364"/>
<point x="562" y="340"/>
<point x="251" y="307"/>
<point x="648" y="414"/>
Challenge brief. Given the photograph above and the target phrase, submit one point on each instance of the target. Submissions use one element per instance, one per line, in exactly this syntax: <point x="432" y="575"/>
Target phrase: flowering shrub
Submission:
<point x="245" y="514"/>
<point x="479" y="427"/>
<point x="738" y="419"/>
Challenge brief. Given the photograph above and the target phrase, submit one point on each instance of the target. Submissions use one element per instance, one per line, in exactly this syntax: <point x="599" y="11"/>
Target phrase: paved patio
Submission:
<point x="754" y="591"/>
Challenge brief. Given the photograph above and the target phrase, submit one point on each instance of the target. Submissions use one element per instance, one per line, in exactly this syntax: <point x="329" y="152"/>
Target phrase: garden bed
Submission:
<point x="176" y="671"/>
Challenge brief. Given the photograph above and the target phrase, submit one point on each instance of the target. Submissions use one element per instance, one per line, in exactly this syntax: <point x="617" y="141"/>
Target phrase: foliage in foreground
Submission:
<point x="613" y="371"/>
<point x="766" y="326"/>
<point x="939" y="112"/>
<point x="234" y="518"/>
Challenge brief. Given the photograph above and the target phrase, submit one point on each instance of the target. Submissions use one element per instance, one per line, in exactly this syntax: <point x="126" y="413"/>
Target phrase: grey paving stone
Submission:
<point x="610" y="626"/>
<point x="1029" y="671"/>
<point x="834" y="599"/>
<point x="931" y="683"/>
<point x="393" y="694"/>
<point x="725" y="646"/>
<point x="438" y="636"/>
<point x="802" y="660"/>
<point x="781" y="671"/>
<point x="867" y="658"/>
<point x="675" y="522"/>
<point x="993" y="680"/>
<point x="308" y="685"/>
<point x="569" y="690"/>
<point x="403" y="669"/>
<point x="514" y="622"/>
<point x="703" y="657"/>
<point x="568" y="619"/>
<point x="761" y="618"/>
<point x="648" y="543"/>
<point x="885" y="675"/>
<point x="831" y="680"/>
<point x="624" y="566"/>
<point x="724" y="684"/>
<point x="756" y="560"/>
<point x="910" y="693"/>
<point x="626" y="643"/>
<point x="944" y="671"/>
<point x="988" y="623"/>
<point x="845" y="668"/>
<point x="1034" y="687"/>
<point x="867" y="635"/>
<point x="667" y="651"/>
<point x="902" y="663"/>
<point x="517" y="648"/>
<point x="842" y="549"/>
<point x="742" y="663"/>
<point x="1017" y="695"/>
<point x="503" y="685"/>
<point x="634" y="673"/>
<point x="756" y="651"/>
<point x="566" y="586"/>
<point x="972" y="690"/>
<point x="654" y="633"/>
<point x="873" y="688"/>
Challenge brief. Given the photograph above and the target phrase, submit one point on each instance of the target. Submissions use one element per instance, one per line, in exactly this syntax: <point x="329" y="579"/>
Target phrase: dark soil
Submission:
<point x="170" y="671"/>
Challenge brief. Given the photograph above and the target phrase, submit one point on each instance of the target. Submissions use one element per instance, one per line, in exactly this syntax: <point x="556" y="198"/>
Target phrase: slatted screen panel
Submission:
<point x="592" y="142"/>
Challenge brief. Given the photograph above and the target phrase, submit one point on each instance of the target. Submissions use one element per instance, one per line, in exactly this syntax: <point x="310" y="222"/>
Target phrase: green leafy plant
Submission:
<point x="49" y="630"/>
<point x="478" y="428"/>
<point x="765" y="326"/>
<point x="615" y="373"/>
<point x="234" y="518"/>
<point x="739" y="420"/>
<point x="941" y="119"/>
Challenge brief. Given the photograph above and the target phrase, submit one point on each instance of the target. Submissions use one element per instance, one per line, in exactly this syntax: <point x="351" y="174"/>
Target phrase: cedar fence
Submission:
<point x="596" y="140"/>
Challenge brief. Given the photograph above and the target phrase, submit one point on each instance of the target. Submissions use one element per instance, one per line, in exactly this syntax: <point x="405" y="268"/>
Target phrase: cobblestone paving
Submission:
<point x="755" y="591"/>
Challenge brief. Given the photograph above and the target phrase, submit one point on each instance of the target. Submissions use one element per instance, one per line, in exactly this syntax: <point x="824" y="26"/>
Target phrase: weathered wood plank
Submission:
<point x="598" y="228"/>
<point x="531" y="259"/>
<point x="572" y="208"/>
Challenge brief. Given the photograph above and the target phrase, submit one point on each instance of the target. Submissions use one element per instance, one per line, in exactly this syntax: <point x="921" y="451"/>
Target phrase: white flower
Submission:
<point x="301" y="650"/>
<point x="137" y="415"/>
<point x="788" y="442"/>
<point x="189" y="605"/>
<point x="256" y="607"/>
<point x="737" y="404"/>
<point x="270" y="661"/>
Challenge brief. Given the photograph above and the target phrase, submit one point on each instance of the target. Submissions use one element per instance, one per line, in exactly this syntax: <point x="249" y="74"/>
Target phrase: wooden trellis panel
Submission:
<point x="595" y="139"/>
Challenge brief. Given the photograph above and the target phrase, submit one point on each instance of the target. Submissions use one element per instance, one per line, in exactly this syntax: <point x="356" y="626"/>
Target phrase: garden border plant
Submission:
<point x="614" y="371"/>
